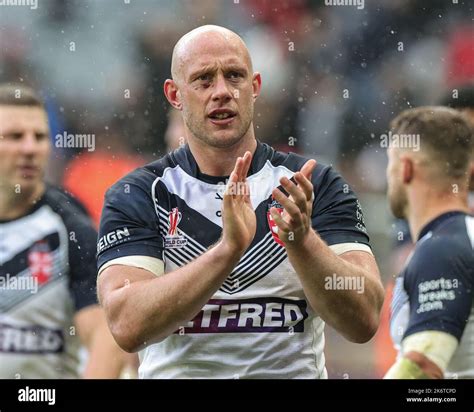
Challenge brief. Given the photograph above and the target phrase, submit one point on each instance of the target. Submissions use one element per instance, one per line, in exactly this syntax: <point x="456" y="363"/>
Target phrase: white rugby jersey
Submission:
<point x="435" y="291"/>
<point x="259" y="323"/>
<point x="47" y="274"/>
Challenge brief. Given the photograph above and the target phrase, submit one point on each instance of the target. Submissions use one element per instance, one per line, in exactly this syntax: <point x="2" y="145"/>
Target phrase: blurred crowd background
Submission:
<point x="333" y="77"/>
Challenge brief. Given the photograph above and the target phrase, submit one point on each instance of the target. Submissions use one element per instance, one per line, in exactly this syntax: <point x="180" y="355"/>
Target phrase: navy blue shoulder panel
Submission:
<point x="81" y="245"/>
<point x="439" y="278"/>
<point x="129" y="225"/>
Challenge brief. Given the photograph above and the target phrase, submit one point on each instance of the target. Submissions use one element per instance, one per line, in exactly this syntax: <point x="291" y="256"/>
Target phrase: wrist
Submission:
<point x="226" y="250"/>
<point x="302" y="245"/>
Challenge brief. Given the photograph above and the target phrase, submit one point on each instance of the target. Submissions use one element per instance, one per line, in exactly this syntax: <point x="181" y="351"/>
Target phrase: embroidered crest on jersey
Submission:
<point x="173" y="239"/>
<point x="271" y="223"/>
<point x="40" y="262"/>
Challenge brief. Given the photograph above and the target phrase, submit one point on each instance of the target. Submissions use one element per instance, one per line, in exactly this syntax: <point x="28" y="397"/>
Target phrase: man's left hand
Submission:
<point x="294" y="224"/>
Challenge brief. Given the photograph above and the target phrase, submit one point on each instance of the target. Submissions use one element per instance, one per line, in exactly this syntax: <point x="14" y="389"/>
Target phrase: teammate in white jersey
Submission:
<point x="213" y="284"/>
<point x="432" y="322"/>
<point x="48" y="302"/>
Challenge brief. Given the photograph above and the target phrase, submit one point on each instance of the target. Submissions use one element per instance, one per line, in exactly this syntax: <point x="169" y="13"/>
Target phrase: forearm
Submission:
<point x="148" y="311"/>
<point x="354" y="312"/>
<point x="105" y="359"/>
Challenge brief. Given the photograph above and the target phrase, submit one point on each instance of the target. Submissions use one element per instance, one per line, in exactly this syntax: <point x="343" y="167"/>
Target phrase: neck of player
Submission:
<point x="426" y="206"/>
<point x="16" y="202"/>
<point x="220" y="161"/>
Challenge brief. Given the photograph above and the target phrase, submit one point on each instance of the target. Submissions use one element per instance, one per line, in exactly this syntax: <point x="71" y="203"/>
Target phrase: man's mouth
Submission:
<point x="222" y="116"/>
<point x="28" y="170"/>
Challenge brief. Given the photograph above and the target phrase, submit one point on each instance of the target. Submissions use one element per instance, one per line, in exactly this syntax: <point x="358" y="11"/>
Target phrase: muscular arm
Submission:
<point x="355" y="315"/>
<point x="142" y="308"/>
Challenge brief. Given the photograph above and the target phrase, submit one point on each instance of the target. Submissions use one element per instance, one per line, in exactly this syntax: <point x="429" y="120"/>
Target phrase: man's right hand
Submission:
<point x="238" y="217"/>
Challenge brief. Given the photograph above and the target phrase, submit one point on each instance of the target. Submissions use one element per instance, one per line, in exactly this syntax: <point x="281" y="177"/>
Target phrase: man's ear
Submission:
<point x="408" y="169"/>
<point x="256" y="85"/>
<point x="172" y="93"/>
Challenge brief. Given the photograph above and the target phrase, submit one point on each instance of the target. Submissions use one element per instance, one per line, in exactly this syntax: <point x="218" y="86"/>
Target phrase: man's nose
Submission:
<point x="29" y="144"/>
<point x="221" y="90"/>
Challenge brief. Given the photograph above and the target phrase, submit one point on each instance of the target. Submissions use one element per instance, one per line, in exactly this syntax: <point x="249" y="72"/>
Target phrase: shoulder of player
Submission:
<point x="452" y="234"/>
<point x="438" y="251"/>
<point x="71" y="210"/>
<point x="63" y="202"/>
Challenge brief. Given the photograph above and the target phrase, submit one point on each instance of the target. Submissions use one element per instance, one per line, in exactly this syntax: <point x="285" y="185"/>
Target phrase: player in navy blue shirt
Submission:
<point x="432" y="321"/>
<point x="225" y="258"/>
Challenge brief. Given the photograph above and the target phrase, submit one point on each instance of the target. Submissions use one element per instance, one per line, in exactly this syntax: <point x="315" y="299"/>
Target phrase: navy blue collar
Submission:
<point x="184" y="157"/>
<point x="433" y="224"/>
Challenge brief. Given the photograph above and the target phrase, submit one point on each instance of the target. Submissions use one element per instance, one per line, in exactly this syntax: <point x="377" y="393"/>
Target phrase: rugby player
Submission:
<point x="48" y="303"/>
<point x="462" y="99"/>
<point x="209" y="280"/>
<point x="432" y="323"/>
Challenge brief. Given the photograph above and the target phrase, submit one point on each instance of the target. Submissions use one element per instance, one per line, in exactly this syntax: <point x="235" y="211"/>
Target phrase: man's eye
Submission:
<point x="14" y="136"/>
<point x="234" y="75"/>
<point x="205" y="77"/>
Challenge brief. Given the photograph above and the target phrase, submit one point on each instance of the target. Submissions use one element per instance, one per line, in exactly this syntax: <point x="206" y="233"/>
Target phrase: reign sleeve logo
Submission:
<point x="112" y="238"/>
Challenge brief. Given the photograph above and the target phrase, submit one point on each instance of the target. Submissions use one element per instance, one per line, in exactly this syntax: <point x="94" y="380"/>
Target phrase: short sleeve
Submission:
<point x="81" y="240"/>
<point x="82" y="262"/>
<point x="128" y="226"/>
<point x="337" y="214"/>
<point x="440" y="288"/>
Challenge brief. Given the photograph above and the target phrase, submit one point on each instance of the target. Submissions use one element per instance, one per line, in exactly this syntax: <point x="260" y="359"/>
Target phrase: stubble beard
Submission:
<point x="398" y="203"/>
<point x="198" y="130"/>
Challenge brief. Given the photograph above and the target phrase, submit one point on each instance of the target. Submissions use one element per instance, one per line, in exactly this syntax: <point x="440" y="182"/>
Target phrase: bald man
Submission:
<point x="225" y="258"/>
